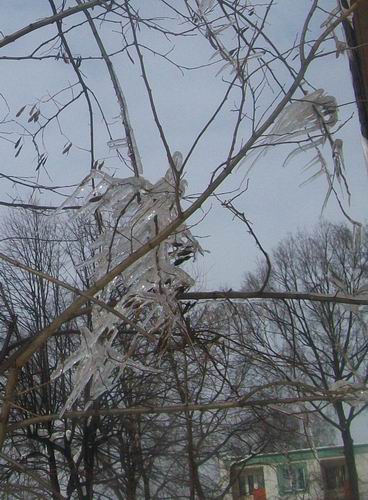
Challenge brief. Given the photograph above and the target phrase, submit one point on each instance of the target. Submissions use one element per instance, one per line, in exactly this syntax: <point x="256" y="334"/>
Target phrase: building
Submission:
<point x="307" y="474"/>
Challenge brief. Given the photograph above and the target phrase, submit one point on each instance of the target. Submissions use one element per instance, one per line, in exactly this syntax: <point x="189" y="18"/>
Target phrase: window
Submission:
<point x="250" y="481"/>
<point x="334" y="475"/>
<point x="292" y="478"/>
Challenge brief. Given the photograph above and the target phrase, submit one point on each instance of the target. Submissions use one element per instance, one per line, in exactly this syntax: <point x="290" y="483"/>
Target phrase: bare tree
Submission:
<point x="322" y="345"/>
<point x="130" y="281"/>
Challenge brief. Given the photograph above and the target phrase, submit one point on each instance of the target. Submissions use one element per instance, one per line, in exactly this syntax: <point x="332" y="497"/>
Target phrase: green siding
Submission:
<point x="300" y="455"/>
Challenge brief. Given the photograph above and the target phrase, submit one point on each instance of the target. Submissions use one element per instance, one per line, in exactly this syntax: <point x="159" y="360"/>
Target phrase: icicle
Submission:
<point x="117" y="143"/>
<point x="306" y="115"/>
<point x="132" y="211"/>
<point x="365" y="150"/>
<point x="314" y="113"/>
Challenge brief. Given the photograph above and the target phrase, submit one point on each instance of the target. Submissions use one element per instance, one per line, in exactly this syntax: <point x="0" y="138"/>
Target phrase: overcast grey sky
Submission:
<point x="274" y="202"/>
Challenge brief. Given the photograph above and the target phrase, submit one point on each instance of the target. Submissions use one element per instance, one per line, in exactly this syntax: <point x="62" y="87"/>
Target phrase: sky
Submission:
<point x="274" y="202"/>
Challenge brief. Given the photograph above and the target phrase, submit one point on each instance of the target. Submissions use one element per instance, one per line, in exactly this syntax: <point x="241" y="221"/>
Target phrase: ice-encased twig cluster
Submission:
<point x="130" y="212"/>
<point x="307" y="121"/>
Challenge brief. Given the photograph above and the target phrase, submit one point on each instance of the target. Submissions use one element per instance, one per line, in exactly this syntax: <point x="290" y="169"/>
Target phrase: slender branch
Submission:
<point x="132" y="145"/>
<point x="81" y="81"/>
<point x="31" y="206"/>
<point x="243" y="402"/>
<point x="314" y="297"/>
<point x="48" y="20"/>
<point x="9" y="395"/>
<point x="240" y="215"/>
<point x="19" y="467"/>
<point x="149" y="90"/>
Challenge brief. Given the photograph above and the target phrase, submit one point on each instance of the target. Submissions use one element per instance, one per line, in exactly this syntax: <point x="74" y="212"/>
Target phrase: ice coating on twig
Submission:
<point x="354" y="393"/>
<point x="217" y="28"/>
<point x="131" y="212"/>
<point x="316" y="112"/>
<point x="308" y="122"/>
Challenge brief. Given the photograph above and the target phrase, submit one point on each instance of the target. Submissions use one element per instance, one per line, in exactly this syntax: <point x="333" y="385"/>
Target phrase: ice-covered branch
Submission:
<point x="132" y="211"/>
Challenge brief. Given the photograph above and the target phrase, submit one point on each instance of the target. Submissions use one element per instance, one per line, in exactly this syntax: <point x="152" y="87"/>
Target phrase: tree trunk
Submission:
<point x="147" y="491"/>
<point x="350" y="463"/>
<point x="53" y="471"/>
<point x="348" y="452"/>
<point x="89" y="450"/>
<point x="182" y="388"/>
<point x="142" y="466"/>
<point x="131" y="487"/>
<point x="74" y="483"/>
<point x="195" y="483"/>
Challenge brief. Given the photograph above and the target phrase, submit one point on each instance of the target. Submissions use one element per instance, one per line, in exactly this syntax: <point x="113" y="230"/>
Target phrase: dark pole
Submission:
<point x="356" y="32"/>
